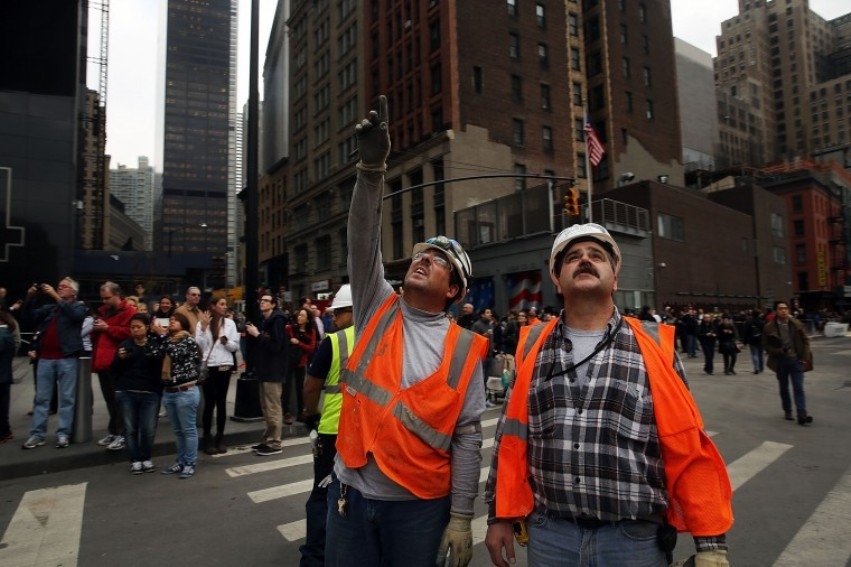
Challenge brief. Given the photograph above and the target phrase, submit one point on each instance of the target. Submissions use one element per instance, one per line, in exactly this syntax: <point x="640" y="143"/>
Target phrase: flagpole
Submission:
<point x="589" y="176"/>
<point x="589" y="173"/>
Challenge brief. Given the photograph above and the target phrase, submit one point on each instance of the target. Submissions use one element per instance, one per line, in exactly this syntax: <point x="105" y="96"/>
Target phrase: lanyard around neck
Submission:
<point x="607" y="340"/>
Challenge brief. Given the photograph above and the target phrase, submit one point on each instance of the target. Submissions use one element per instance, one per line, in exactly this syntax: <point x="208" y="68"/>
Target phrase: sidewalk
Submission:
<point x="16" y="463"/>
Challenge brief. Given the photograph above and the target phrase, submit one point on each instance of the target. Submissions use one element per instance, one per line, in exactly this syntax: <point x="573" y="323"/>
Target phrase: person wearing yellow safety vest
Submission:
<point x="600" y="450"/>
<point x="324" y="375"/>
<point x="409" y="444"/>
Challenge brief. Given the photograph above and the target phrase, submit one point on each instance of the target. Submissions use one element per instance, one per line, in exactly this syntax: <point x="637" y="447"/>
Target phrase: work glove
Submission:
<point x="715" y="558"/>
<point x="457" y="541"/>
<point x="374" y="139"/>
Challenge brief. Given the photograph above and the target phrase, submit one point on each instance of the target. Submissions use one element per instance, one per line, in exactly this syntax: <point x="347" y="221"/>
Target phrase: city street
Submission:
<point x="792" y="484"/>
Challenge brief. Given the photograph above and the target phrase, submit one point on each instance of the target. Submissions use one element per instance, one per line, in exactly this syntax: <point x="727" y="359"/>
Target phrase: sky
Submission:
<point x="133" y="40"/>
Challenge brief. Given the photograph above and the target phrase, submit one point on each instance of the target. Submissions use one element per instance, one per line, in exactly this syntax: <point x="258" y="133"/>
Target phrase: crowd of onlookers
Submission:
<point x="154" y="358"/>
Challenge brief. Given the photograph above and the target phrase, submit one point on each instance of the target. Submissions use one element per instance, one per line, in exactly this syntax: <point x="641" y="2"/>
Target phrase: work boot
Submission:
<point x="789" y="416"/>
<point x="221" y="448"/>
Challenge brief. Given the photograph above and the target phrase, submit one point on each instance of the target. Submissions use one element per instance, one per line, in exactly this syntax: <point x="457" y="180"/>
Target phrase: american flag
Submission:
<point x="596" y="149"/>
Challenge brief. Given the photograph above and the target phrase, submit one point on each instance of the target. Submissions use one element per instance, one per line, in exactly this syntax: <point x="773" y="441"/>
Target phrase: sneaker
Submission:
<point x="136" y="467"/>
<point x="62" y="442"/>
<point x="117" y="443"/>
<point x="265" y="450"/>
<point x="6" y="438"/>
<point x="257" y="446"/>
<point x="162" y="413"/>
<point x="489" y="404"/>
<point x="106" y="440"/>
<point x="173" y="469"/>
<point x="33" y="442"/>
<point x="187" y="472"/>
<point x="288" y="418"/>
<point x="148" y="466"/>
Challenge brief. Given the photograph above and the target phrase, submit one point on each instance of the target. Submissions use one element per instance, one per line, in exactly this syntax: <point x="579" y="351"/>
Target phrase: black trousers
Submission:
<point x="215" y="398"/>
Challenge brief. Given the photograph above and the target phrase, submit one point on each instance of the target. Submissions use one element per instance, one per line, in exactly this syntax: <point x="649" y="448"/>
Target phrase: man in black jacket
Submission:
<point x="269" y="363"/>
<point x="752" y="336"/>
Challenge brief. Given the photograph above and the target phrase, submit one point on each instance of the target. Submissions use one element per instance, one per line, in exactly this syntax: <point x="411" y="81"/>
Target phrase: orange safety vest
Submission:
<point x="407" y="430"/>
<point x="699" y="491"/>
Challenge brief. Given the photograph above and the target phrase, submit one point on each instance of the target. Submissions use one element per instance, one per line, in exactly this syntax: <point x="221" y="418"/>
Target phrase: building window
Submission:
<point x="323" y="253"/>
<point x="516" y="88"/>
<point x="519" y="182"/>
<point x="777" y="226"/>
<point x="625" y="67"/>
<point x="573" y="24"/>
<point x="642" y="13"/>
<point x="670" y="227"/>
<point x="647" y="77"/>
<point x="543" y="58"/>
<point x="798" y="227"/>
<point x="579" y="129"/>
<point x="436" y="75"/>
<point x="545" y="98"/>
<point x="477" y="80"/>
<point x="512" y="8"/>
<point x="800" y="253"/>
<point x="624" y="35"/>
<point x="645" y="44"/>
<point x="577" y="94"/>
<point x="797" y="204"/>
<point x="629" y="106"/>
<point x="514" y="46"/>
<point x="649" y="109"/>
<point x="575" y="61"/>
<point x="581" y="170"/>
<point x="541" y="15"/>
<point x="437" y="118"/>
<point x="780" y="255"/>
<point x="548" y="138"/>
<point x="434" y="35"/>
<point x="519" y="135"/>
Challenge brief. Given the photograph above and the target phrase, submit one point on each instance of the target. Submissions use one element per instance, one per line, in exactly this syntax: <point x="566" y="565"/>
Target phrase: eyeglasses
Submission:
<point x="262" y="299"/>
<point x="436" y="258"/>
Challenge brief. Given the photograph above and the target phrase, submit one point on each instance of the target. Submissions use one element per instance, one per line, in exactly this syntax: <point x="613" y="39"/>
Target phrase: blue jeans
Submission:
<point x="790" y="369"/>
<point x="182" y="409"/>
<point x="691" y="344"/>
<point x="560" y="542"/>
<point x="756" y="358"/>
<point x="139" y="412"/>
<point x="63" y="373"/>
<point x="384" y="532"/>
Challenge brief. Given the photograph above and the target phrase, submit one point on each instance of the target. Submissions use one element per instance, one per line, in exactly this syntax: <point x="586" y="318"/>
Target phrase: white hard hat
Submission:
<point x="582" y="232"/>
<point x="454" y="253"/>
<point x="343" y="297"/>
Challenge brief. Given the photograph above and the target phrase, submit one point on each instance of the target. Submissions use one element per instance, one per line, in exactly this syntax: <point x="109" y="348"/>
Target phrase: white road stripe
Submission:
<point x="294" y="531"/>
<point x="823" y="539"/>
<point x="275" y="492"/>
<point x="45" y="530"/>
<point x="749" y="465"/>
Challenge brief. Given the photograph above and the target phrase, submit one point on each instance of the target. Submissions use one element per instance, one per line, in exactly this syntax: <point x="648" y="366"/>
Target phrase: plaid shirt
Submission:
<point x="593" y="448"/>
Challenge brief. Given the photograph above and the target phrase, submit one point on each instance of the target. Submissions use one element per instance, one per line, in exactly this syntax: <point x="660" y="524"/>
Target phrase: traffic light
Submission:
<point x="571" y="203"/>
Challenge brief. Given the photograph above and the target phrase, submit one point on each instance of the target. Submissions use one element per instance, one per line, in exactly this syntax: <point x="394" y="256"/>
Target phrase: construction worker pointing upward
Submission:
<point x="409" y="440"/>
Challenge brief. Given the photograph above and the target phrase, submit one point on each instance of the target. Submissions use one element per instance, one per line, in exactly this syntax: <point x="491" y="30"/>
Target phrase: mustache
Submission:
<point x="585" y="268"/>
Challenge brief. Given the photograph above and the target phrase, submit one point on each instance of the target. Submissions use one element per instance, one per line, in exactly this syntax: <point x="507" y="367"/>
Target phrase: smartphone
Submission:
<point x="162" y="321"/>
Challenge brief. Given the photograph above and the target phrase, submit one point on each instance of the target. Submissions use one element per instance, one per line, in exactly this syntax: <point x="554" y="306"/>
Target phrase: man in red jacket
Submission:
<point x="111" y="328"/>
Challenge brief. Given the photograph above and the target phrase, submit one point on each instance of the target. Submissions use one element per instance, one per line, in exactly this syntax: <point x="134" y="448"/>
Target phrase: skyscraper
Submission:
<point x="784" y="82"/>
<point x="134" y="187"/>
<point x="198" y="133"/>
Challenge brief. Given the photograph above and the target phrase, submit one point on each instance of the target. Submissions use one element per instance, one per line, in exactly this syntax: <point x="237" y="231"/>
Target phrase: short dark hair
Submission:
<point x="455" y="279"/>
<point x="183" y="320"/>
<point x="143" y="317"/>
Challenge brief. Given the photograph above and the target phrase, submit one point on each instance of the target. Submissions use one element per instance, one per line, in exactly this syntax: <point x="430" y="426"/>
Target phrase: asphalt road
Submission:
<point x="792" y="499"/>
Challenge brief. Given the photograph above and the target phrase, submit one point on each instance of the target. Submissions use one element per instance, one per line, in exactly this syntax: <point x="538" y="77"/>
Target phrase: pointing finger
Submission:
<point x="383" y="114"/>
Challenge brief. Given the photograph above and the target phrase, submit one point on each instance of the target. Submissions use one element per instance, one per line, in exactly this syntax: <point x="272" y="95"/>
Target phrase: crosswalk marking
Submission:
<point x="269" y="465"/>
<point x="45" y="530"/>
<point x="823" y="539"/>
<point x="746" y="467"/>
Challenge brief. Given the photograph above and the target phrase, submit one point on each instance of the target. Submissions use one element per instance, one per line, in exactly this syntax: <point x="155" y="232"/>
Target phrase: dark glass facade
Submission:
<point x="197" y="131"/>
<point x="41" y="80"/>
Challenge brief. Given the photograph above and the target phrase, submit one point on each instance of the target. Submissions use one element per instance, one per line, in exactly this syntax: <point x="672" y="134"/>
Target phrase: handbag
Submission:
<point x="203" y="370"/>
